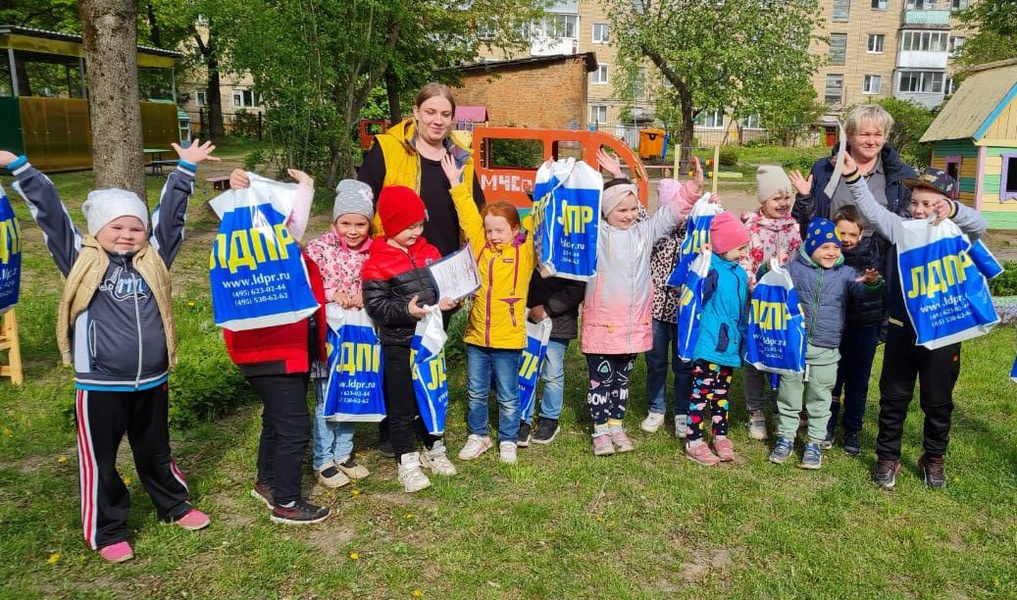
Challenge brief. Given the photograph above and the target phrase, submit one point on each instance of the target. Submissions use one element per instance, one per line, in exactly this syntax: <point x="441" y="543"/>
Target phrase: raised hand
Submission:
<point x="942" y="210"/>
<point x="850" y="166"/>
<point x="609" y="163"/>
<point x="870" y="276"/>
<point x="7" y="158"/>
<point x="300" y="177"/>
<point x="195" y="153"/>
<point x="802" y="185"/>
<point x="452" y="172"/>
<point x="697" y="177"/>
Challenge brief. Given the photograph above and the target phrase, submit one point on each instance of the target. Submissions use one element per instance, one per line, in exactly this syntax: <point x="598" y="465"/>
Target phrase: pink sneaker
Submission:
<point x="724" y="449"/>
<point x="602" y="445"/>
<point x="117" y="553"/>
<point x="621" y="440"/>
<point x="193" y="520"/>
<point x="701" y="454"/>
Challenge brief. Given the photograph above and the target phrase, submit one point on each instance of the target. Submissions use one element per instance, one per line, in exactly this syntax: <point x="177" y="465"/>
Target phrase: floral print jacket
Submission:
<point x="340" y="266"/>
<point x="780" y="238"/>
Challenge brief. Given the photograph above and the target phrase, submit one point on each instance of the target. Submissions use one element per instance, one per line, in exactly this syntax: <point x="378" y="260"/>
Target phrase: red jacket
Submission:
<point x="283" y="344"/>
<point x="390" y="279"/>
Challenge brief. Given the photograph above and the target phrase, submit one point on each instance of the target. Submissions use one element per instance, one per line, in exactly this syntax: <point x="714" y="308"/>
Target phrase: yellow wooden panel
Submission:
<point x="993" y="164"/>
<point x="994" y="205"/>
<point x="969" y="168"/>
<point x="997" y="142"/>
<point x="938" y="162"/>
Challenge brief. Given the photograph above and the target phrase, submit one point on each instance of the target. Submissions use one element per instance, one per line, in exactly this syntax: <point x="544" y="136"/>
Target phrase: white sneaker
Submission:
<point x="652" y="422"/>
<point x="331" y="476"/>
<point x="757" y="425"/>
<point x="410" y="475"/>
<point x="475" y="446"/>
<point x="507" y="451"/>
<point x="681" y="428"/>
<point x="436" y="460"/>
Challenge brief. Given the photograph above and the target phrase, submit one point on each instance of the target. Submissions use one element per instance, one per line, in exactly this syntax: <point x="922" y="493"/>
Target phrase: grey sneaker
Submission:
<point x="410" y="475"/>
<point x="932" y="471"/>
<point x="681" y="427"/>
<point x="813" y="457"/>
<point x="437" y="460"/>
<point x="757" y="425"/>
<point x="781" y="451"/>
<point x="885" y="475"/>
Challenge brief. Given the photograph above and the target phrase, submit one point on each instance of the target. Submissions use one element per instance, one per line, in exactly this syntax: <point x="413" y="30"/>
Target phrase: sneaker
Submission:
<point x="437" y="460"/>
<point x="781" y="451"/>
<point x="652" y="422"/>
<point x="475" y="446"/>
<point x="932" y="471"/>
<point x="681" y="426"/>
<point x="827" y="441"/>
<point x="264" y="493"/>
<point x="331" y="477"/>
<point x="724" y="449"/>
<point x="602" y="445"/>
<point x="352" y="468"/>
<point x="507" y="452"/>
<point x="885" y="475"/>
<point x="385" y="449"/>
<point x="757" y="425"/>
<point x="410" y="475"/>
<point x="852" y="444"/>
<point x="812" y="458"/>
<point x="193" y="520"/>
<point x="547" y="430"/>
<point x="301" y="513"/>
<point x="523" y="440"/>
<point x="700" y="453"/>
<point x="620" y="440"/>
<point x="117" y="553"/>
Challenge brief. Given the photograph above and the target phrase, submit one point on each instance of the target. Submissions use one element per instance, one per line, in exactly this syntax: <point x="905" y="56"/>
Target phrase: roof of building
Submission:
<point x="470" y="114"/>
<point x="976" y="104"/>
<point x="6" y="30"/>
<point x="589" y="58"/>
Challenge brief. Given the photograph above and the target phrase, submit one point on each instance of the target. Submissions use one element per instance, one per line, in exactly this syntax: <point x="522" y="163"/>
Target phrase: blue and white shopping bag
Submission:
<point x="775" y="339"/>
<point x="566" y="219"/>
<point x="537" y="336"/>
<point x="427" y="361"/>
<point x="10" y="254"/>
<point x="690" y="305"/>
<point x="257" y="274"/>
<point x="355" y="388"/>
<point x="697" y="233"/>
<point x="985" y="260"/>
<point x="946" y="295"/>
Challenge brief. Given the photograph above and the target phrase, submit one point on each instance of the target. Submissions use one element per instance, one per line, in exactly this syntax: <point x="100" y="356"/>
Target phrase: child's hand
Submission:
<point x="802" y="185"/>
<point x="300" y="177"/>
<point x="870" y="277"/>
<point x="850" y="166"/>
<point x="447" y="304"/>
<point x="357" y="300"/>
<point x="537" y="313"/>
<point x="7" y="158"/>
<point x="416" y="311"/>
<point x="194" y="153"/>
<point x="339" y="298"/>
<point x="697" y="178"/>
<point x="609" y="163"/>
<point x="239" y="180"/>
<point x="452" y="172"/>
<point x="942" y="210"/>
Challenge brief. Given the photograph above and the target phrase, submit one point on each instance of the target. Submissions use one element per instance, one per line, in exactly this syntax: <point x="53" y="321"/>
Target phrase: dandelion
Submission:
<point x="354" y="493"/>
<point x="354" y="556"/>
<point x="7" y="432"/>
<point x="53" y="558"/>
<point x="418" y="594"/>
<point x="127" y="481"/>
<point x="61" y="459"/>
<point x="409" y="515"/>
<point x="190" y="304"/>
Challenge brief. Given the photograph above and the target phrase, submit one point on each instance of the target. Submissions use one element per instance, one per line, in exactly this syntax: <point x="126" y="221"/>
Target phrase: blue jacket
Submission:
<point x="824" y="294"/>
<point x="724" y="318"/>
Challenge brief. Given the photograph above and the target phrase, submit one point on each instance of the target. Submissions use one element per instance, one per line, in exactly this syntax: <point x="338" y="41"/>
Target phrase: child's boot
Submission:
<point x="410" y="475"/>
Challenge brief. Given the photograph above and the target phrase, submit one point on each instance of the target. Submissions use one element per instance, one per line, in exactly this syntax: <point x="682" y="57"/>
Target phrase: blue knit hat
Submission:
<point x="820" y="232"/>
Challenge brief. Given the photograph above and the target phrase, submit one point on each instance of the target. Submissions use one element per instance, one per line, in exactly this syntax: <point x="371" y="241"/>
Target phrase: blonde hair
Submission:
<point x="873" y="113"/>
<point x="433" y="89"/>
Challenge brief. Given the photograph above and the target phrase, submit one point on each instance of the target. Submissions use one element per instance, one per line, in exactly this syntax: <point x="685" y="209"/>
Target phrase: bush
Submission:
<point x="1006" y="283"/>
<point x="728" y="157"/>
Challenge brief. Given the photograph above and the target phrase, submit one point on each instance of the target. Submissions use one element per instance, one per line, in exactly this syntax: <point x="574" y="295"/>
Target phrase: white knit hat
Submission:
<point x="102" y="206"/>
<point x="353" y="197"/>
<point x="771" y="179"/>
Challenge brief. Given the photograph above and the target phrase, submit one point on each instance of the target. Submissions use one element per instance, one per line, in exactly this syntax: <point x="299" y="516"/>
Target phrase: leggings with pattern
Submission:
<point x="711" y="384"/>
<point x="609" y="385"/>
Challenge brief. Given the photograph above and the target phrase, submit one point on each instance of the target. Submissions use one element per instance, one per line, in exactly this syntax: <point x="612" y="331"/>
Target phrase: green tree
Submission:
<point x="993" y="24"/>
<point x="720" y="53"/>
<point x="910" y="121"/>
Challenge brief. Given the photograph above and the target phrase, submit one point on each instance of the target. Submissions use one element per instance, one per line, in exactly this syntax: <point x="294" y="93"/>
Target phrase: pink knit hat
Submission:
<point x="727" y="233"/>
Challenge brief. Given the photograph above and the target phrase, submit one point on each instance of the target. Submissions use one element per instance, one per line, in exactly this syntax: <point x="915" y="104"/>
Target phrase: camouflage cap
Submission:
<point x="934" y="179"/>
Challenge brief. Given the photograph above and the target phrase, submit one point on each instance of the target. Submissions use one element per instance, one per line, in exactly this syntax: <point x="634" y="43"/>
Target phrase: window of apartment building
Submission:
<point x="598" y="113"/>
<point x="199" y="99"/>
<point x="833" y="92"/>
<point x="956" y="5"/>
<point x="921" y="81"/>
<point x="838" y="48"/>
<point x="600" y="75"/>
<point x="876" y="42"/>
<point x="950" y="86"/>
<point x="752" y="122"/>
<point x="871" y="84"/>
<point x="956" y="42"/>
<point x="244" y="98"/>
<point x="713" y="119"/>
<point x="879" y="4"/>
<point x="560" y="26"/>
<point x="485" y="30"/>
<point x="841" y="8"/>
<point x="920" y="4"/>
<point x="600" y="33"/>
<point x="924" y="41"/>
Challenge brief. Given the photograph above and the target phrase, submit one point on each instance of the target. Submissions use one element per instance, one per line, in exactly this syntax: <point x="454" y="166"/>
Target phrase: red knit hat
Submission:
<point x="398" y="208"/>
<point x="727" y="233"/>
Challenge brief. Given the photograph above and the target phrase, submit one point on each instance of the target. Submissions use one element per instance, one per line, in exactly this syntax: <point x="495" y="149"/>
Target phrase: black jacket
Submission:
<point x="561" y="299"/>
<point x="865" y="311"/>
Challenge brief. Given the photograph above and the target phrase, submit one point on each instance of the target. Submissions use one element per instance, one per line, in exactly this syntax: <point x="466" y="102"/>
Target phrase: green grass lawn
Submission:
<point x="560" y="524"/>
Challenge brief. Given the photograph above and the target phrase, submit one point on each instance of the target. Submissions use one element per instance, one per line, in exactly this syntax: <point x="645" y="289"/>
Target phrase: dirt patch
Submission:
<point x="332" y="541"/>
<point x="715" y="561"/>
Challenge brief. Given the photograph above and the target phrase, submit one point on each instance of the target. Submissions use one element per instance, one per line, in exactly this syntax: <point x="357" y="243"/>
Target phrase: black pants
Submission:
<point x="609" y="386"/>
<point x="401" y="403"/>
<point x="285" y="433"/>
<point x="936" y="372"/>
<point x="103" y="419"/>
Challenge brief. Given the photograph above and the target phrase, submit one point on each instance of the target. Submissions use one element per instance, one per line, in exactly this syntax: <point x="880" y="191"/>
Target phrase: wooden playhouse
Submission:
<point x="974" y="138"/>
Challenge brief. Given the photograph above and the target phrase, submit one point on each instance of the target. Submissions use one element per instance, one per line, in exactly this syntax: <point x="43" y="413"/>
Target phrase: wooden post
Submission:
<point x="9" y="341"/>
<point x="716" y="167"/>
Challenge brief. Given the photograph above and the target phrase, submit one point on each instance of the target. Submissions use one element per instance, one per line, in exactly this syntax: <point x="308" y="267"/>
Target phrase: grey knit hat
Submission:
<point x="103" y="206"/>
<point x="353" y="197"/>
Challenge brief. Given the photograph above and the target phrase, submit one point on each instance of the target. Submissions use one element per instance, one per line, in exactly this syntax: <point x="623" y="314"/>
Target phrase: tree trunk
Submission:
<point x="216" y="125"/>
<point x="392" y="91"/>
<point x="688" y="125"/>
<point x="110" y="34"/>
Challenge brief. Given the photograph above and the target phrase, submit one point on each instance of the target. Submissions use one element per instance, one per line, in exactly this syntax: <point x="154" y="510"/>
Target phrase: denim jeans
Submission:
<point x="333" y="441"/>
<point x="552" y="373"/>
<point x="504" y="364"/>
<point x="665" y="350"/>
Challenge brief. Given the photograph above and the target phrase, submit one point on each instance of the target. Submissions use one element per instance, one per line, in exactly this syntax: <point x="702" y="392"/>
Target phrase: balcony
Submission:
<point x="926" y="19"/>
<point x="922" y="60"/>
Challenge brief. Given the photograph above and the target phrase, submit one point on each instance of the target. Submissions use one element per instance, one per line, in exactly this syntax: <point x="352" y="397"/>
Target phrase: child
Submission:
<point x="774" y="234"/>
<point x="718" y="349"/>
<point x="396" y="288"/>
<point x="116" y="323"/>
<point x="276" y="361"/>
<point x="858" y="343"/>
<point x="496" y="329"/>
<point x="904" y="361"/>
<point x="824" y="286"/>
<point x="340" y="254"/>
<point x="617" y="310"/>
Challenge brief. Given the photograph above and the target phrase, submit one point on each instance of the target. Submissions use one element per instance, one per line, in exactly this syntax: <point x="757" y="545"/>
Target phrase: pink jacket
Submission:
<point x="780" y="238"/>
<point x="340" y="266"/>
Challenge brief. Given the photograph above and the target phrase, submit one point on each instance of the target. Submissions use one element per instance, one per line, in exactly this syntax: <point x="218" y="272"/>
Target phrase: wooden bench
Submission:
<point x="220" y="183"/>
<point x="157" y="166"/>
